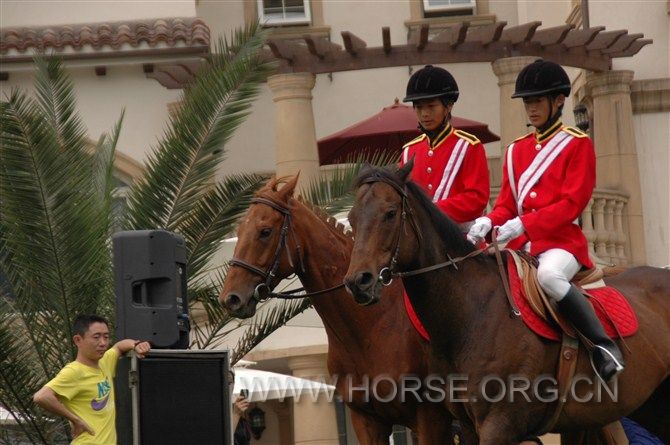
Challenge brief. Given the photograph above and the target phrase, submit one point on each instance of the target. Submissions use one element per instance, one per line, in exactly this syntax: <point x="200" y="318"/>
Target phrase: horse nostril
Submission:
<point x="364" y="280"/>
<point x="233" y="302"/>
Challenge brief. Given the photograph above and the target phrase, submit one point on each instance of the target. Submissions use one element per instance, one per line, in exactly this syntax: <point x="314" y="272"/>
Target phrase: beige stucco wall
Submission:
<point x="60" y="12"/>
<point x="652" y="130"/>
<point x="101" y="99"/>
<point x="652" y="136"/>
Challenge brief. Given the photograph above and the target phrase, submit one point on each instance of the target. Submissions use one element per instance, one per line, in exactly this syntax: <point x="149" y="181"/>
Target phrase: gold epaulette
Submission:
<point x="414" y="141"/>
<point x="576" y="132"/>
<point x="471" y="138"/>
<point x="523" y="137"/>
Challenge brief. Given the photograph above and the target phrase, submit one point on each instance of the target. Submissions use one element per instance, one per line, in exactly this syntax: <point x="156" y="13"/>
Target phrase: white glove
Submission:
<point x="510" y="230"/>
<point x="479" y="229"/>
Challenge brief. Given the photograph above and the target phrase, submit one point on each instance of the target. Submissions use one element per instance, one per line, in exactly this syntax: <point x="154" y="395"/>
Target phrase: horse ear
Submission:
<point x="405" y="170"/>
<point x="287" y="191"/>
<point x="271" y="184"/>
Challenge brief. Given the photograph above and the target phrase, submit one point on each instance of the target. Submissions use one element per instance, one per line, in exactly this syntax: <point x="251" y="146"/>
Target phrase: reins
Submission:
<point x="386" y="274"/>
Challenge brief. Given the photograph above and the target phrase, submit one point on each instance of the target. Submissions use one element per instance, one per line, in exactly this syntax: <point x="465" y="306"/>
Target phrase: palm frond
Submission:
<point x="268" y="319"/>
<point x="332" y="190"/>
<point x="20" y="376"/>
<point x="181" y="169"/>
<point x="215" y="217"/>
<point x="53" y="235"/>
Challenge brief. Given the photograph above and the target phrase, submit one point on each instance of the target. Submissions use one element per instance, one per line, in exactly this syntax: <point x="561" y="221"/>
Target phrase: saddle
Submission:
<point x="540" y="314"/>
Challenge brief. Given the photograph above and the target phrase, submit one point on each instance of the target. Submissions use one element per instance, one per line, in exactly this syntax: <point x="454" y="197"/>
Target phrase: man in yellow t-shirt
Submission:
<point x="83" y="391"/>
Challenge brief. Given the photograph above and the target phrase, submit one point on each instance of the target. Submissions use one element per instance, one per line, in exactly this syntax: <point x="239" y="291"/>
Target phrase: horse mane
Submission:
<point x="270" y="190"/>
<point x="330" y="221"/>
<point x="449" y="232"/>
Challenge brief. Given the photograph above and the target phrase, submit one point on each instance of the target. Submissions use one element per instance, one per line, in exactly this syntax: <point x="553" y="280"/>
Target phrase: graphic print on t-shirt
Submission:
<point x="104" y="389"/>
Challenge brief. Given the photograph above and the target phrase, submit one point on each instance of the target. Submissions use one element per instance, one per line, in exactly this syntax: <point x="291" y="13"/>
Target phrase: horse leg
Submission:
<point x="498" y="430"/>
<point x="434" y="427"/>
<point x="654" y="414"/>
<point x="369" y="431"/>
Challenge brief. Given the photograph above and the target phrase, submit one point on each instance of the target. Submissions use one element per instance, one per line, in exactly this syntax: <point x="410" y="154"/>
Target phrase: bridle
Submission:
<point x="263" y="291"/>
<point x="386" y="274"/>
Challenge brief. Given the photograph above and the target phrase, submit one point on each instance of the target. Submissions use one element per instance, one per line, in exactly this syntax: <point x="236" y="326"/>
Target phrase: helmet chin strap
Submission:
<point x="552" y="120"/>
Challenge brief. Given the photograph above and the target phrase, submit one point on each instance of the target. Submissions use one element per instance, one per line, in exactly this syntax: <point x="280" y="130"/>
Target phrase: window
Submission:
<point x="440" y="6"/>
<point x="284" y="12"/>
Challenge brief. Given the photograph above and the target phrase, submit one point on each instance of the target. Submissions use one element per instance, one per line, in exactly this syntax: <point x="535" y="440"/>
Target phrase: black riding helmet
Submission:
<point x="542" y="78"/>
<point x="429" y="82"/>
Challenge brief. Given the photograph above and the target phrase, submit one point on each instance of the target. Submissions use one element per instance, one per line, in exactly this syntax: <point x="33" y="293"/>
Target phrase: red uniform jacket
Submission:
<point x="452" y="169"/>
<point x="554" y="176"/>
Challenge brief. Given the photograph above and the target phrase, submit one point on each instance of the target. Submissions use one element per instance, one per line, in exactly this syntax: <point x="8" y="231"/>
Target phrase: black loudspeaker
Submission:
<point x="174" y="397"/>
<point x="150" y="282"/>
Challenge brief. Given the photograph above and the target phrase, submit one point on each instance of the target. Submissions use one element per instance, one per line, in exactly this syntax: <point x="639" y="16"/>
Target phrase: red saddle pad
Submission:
<point x="612" y="308"/>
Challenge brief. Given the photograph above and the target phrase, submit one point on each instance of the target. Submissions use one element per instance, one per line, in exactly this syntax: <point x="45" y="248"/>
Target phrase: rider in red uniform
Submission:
<point x="548" y="179"/>
<point x="449" y="164"/>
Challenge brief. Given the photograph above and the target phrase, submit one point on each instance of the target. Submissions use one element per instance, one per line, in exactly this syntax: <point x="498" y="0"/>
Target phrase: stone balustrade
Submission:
<point x="604" y="222"/>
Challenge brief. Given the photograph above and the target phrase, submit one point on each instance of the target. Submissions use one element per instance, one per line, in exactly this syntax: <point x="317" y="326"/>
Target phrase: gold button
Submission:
<point x="430" y="152"/>
<point x="430" y="186"/>
<point x="538" y="146"/>
<point x="533" y="194"/>
<point x="429" y="170"/>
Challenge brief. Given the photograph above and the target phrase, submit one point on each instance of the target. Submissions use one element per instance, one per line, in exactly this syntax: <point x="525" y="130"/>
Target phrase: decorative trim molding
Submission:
<point x="650" y="95"/>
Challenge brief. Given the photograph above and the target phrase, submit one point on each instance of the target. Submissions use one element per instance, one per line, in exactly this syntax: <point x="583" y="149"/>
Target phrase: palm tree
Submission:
<point x="56" y="215"/>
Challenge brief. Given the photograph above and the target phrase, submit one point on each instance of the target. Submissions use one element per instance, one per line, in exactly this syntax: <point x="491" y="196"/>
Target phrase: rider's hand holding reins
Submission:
<point x="510" y="230"/>
<point x="479" y="230"/>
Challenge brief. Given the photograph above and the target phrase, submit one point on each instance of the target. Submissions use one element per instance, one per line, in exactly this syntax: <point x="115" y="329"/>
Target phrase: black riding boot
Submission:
<point x="606" y="354"/>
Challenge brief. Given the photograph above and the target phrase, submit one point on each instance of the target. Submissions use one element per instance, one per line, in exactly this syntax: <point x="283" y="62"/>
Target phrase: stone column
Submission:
<point x="295" y="135"/>
<point x="616" y="153"/>
<point x="314" y="421"/>
<point x="512" y="114"/>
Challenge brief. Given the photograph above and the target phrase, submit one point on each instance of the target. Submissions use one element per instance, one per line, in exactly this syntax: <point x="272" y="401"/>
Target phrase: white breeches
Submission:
<point x="556" y="269"/>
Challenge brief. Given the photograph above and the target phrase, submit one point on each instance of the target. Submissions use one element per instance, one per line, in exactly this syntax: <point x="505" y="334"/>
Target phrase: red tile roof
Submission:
<point x="173" y="31"/>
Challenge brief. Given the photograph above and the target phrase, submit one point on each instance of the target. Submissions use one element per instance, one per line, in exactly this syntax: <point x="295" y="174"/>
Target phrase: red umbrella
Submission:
<point x="386" y="132"/>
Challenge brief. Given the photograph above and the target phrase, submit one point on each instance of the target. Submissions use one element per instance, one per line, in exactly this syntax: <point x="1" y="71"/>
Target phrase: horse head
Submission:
<point x="262" y="256"/>
<point x="384" y="230"/>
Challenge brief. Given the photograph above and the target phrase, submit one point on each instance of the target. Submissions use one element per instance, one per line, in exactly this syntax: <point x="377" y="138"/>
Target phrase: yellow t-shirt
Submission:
<point x="89" y="393"/>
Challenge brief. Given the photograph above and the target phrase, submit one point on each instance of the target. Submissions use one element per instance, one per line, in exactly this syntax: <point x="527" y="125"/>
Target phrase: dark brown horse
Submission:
<point x="466" y="313"/>
<point x="362" y="343"/>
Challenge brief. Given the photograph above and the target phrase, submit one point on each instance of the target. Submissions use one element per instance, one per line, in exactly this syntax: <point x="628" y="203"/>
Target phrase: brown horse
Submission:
<point x="465" y="311"/>
<point x="318" y="250"/>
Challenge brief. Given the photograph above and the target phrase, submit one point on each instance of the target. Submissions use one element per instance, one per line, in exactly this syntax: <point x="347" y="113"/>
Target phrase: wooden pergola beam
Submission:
<point x="622" y="43"/>
<point x="352" y="44"/>
<point x="635" y="47"/>
<point x="581" y="37"/>
<point x="386" y="39"/>
<point x="423" y="37"/>
<point x="521" y="33"/>
<point x="282" y="49"/>
<point x="486" y="34"/>
<point x="591" y="49"/>
<point x="605" y="40"/>
<point x="320" y="46"/>
<point x="553" y="35"/>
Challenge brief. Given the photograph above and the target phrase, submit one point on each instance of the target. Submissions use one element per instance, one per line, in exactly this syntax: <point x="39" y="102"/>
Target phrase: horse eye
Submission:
<point x="390" y="215"/>
<point x="265" y="232"/>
